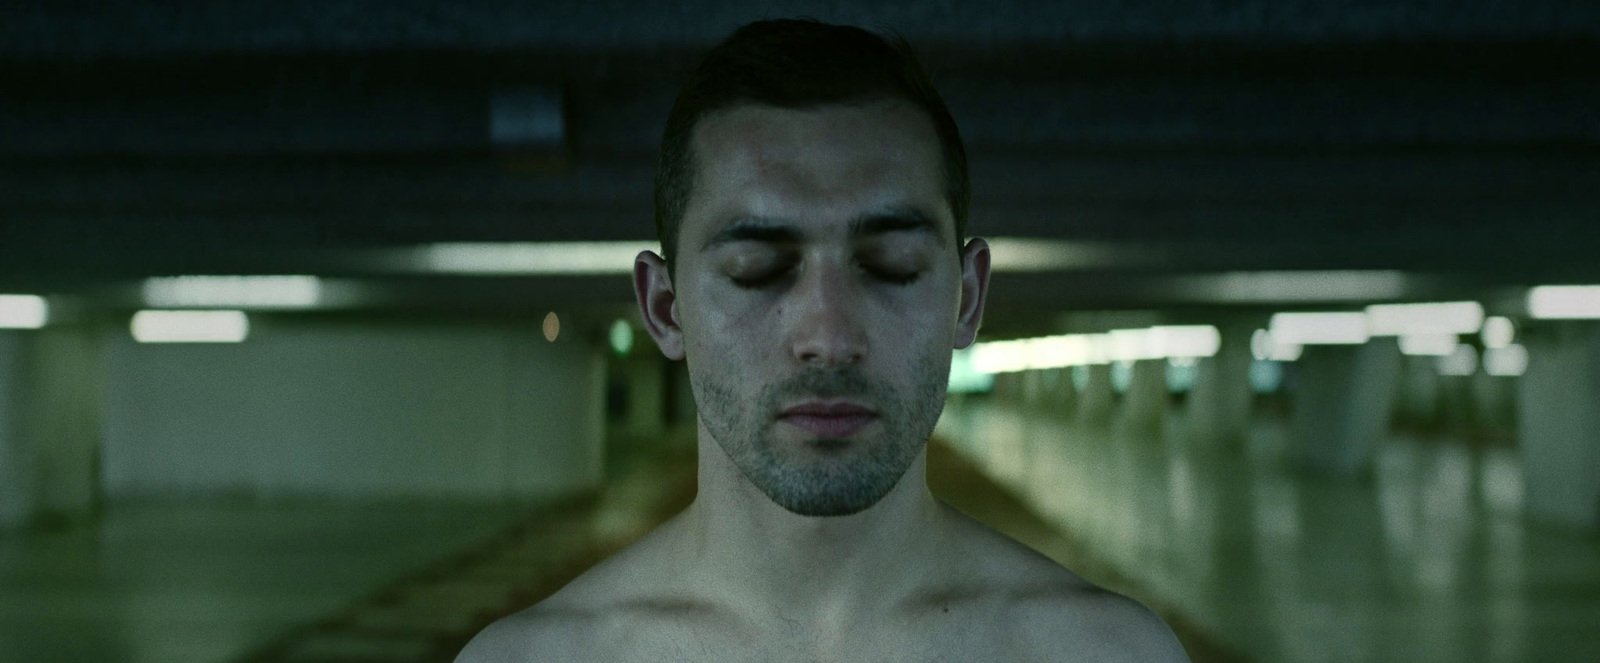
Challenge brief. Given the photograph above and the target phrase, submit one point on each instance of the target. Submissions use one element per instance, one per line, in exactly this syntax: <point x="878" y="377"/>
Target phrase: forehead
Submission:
<point x="820" y="166"/>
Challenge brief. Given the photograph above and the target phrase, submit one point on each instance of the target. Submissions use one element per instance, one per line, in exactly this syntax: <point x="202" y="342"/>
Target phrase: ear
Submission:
<point x="974" y="290"/>
<point x="658" y="304"/>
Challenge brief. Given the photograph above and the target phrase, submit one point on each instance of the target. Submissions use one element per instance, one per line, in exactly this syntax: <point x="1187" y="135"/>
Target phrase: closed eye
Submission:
<point x="896" y="278"/>
<point x="760" y="280"/>
<point x="772" y="277"/>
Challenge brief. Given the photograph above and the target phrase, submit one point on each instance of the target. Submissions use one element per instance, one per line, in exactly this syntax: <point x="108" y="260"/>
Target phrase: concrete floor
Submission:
<point x="1430" y="559"/>
<point x="207" y="582"/>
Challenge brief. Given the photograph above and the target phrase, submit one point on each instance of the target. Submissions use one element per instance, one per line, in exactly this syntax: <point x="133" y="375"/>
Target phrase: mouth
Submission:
<point x="836" y="419"/>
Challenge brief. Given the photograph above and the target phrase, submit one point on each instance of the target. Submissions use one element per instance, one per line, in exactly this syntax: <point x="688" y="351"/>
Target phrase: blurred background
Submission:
<point x="318" y="342"/>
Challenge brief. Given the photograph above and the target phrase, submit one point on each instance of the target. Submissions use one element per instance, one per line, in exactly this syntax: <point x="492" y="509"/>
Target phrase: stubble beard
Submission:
<point x="812" y="485"/>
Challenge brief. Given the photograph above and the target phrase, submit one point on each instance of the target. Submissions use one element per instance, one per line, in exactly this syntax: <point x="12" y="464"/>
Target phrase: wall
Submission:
<point x="50" y="386"/>
<point x="319" y="409"/>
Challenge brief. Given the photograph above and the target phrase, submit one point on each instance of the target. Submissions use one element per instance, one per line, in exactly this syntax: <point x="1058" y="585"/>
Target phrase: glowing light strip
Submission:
<point x="1019" y="254"/>
<point x="1461" y="361"/>
<point x="1007" y="254"/>
<point x="233" y="291"/>
<point x="1162" y="342"/>
<point x="1295" y="286"/>
<point x="533" y="258"/>
<point x="1564" y="302"/>
<point x="190" y="326"/>
<point x="1264" y="348"/>
<point x="1428" y="345"/>
<point x="1497" y="332"/>
<point x="1433" y="318"/>
<point x="1508" y="361"/>
<point x="1343" y="328"/>
<point x="23" y="312"/>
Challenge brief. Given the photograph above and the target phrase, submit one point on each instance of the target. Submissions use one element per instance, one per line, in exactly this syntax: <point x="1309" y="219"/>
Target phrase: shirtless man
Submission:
<point x="811" y="205"/>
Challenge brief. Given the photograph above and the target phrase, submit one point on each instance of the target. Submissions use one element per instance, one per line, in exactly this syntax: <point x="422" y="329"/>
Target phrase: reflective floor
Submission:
<point x="208" y="582"/>
<point x="1430" y="560"/>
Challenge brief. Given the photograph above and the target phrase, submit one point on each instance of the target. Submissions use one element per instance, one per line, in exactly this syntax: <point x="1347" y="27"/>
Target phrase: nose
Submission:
<point x="828" y="329"/>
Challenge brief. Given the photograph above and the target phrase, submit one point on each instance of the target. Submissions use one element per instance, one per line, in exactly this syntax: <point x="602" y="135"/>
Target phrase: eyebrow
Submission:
<point x="780" y="231"/>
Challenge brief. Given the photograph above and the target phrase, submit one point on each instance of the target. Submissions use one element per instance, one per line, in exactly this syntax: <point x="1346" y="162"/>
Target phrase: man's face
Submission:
<point x="819" y="294"/>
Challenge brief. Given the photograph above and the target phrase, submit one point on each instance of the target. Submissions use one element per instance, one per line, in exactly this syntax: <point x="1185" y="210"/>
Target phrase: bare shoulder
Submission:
<point x="1093" y="623"/>
<point x="1053" y="612"/>
<point x="590" y="618"/>
<point x="539" y="633"/>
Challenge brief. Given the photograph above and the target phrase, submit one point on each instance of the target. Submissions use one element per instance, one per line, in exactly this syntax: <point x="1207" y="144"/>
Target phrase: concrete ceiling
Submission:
<point x="1454" y="140"/>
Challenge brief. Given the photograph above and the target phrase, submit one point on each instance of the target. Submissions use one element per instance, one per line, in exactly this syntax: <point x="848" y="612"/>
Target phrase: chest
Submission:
<point x="932" y="637"/>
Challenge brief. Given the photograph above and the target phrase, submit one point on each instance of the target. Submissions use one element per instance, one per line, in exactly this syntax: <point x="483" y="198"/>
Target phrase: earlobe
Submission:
<point x="974" y="290"/>
<point x="658" y="305"/>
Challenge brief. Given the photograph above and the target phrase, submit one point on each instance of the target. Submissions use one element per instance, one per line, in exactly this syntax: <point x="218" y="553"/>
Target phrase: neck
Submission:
<point x="824" y="571"/>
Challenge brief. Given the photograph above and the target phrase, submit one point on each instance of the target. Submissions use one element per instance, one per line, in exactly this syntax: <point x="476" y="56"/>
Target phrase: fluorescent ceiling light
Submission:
<point x="1497" y="332"/>
<point x="1186" y="341"/>
<point x="23" y="312"/>
<point x="1439" y="318"/>
<point x="1428" y="345"/>
<point x="1019" y="254"/>
<point x="1264" y="348"/>
<point x="533" y="258"/>
<point x="1183" y="341"/>
<point x="233" y="291"/>
<point x="1508" y="361"/>
<point x="190" y="326"/>
<point x="1564" y="302"/>
<point x="1295" y="286"/>
<point x="1343" y="328"/>
<point x="1461" y="361"/>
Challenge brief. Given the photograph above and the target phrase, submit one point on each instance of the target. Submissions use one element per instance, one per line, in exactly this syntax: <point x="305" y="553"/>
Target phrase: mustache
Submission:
<point x="844" y="382"/>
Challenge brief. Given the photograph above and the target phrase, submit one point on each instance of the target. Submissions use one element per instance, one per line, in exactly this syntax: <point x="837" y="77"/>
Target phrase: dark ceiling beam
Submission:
<point x="154" y="27"/>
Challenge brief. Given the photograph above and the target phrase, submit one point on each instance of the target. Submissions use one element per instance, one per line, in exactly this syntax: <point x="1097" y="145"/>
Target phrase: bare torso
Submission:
<point x="1000" y="601"/>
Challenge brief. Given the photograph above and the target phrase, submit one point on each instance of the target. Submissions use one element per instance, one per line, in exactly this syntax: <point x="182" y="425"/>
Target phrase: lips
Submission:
<point x="825" y="419"/>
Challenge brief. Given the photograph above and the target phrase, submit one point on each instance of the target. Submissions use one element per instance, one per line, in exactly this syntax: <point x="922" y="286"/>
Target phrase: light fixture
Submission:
<point x="1507" y="361"/>
<point x="1023" y="254"/>
<point x="1264" y="348"/>
<point x="1294" y="286"/>
<point x="190" y="326"/>
<point x="531" y="258"/>
<point x="249" y="292"/>
<point x="23" y="312"/>
<point x="1428" y="345"/>
<point x="1498" y="332"/>
<point x="621" y="337"/>
<point x="551" y="326"/>
<point x="1461" y="361"/>
<point x="1120" y="345"/>
<point x="1426" y="318"/>
<point x="1341" y="328"/>
<point x="1564" y="302"/>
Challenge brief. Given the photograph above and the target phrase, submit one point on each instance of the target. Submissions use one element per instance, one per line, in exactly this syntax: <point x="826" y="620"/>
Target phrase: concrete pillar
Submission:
<point x="1036" y="387"/>
<point x="1418" y="394"/>
<point x="1559" y="424"/>
<point x="1060" y="395"/>
<point x="647" y="402"/>
<point x="1095" y="398"/>
<point x="1494" y="404"/>
<point x="1007" y="388"/>
<point x="1146" y="401"/>
<point x="1219" y="401"/>
<point x="50" y="413"/>
<point x="1344" y="395"/>
<point x="1457" y="410"/>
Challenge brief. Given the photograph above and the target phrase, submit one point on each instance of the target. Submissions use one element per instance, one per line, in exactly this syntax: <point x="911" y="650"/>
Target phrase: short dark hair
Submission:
<point x="799" y="63"/>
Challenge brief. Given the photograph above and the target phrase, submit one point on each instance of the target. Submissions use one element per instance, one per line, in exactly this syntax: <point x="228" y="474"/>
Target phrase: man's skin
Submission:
<point x="744" y="574"/>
